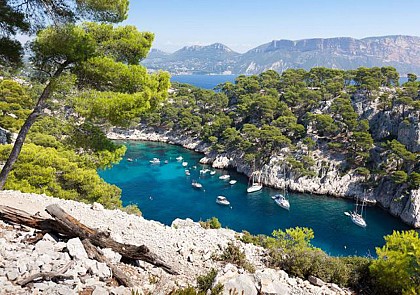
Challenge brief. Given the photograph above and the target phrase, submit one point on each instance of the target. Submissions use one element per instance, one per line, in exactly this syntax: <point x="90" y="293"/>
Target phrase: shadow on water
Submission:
<point x="164" y="192"/>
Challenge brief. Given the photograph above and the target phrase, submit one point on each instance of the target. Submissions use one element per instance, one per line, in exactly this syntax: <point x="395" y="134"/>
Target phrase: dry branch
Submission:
<point x="104" y="240"/>
<point x="47" y="276"/>
<point x="97" y="254"/>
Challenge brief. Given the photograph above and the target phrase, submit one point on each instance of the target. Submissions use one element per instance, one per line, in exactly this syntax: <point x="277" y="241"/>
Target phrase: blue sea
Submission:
<point x="211" y="81"/>
<point x="163" y="192"/>
<point x="204" y="81"/>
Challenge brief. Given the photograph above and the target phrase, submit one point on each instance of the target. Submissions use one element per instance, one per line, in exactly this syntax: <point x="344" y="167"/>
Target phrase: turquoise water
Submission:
<point x="163" y="192"/>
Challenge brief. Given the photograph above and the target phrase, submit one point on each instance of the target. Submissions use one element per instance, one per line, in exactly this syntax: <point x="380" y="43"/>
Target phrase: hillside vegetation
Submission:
<point x="293" y="114"/>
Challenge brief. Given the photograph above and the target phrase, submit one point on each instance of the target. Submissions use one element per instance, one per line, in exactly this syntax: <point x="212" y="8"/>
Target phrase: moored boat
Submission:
<point x="196" y="184"/>
<point x="222" y="200"/>
<point x="155" y="161"/>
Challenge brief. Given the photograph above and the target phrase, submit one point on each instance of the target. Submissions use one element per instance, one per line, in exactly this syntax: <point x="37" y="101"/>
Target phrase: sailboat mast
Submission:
<point x="284" y="180"/>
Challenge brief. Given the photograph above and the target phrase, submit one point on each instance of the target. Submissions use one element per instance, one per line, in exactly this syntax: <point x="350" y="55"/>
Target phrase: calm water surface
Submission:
<point x="163" y="192"/>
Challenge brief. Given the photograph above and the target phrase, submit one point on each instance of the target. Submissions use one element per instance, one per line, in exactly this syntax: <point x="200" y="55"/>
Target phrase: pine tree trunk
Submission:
<point x="40" y="105"/>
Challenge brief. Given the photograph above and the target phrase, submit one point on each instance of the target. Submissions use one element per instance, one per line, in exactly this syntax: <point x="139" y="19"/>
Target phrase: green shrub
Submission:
<point x="132" y="209"/>
<point x="211" y="223"/>
<point x="234" y="255"/>
<point x="362" y="171"/>
<point x="399" y="177"/>
<point x="205" y="283"/>
<point x="397" y="268"/>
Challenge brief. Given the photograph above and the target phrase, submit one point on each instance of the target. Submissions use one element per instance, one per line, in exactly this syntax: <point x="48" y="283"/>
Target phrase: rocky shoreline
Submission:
<point x="328" y="182"/>
<point x="185" y="246"/>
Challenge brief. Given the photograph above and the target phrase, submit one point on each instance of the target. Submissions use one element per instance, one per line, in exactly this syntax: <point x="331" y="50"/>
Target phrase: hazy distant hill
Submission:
<point x="401" y="52"/>
<point x="215" y="58"/>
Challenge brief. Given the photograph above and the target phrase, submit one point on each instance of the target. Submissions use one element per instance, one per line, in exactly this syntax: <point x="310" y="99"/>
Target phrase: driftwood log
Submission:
<point x="65" y="224"/>
<point x="17" y="216"/>
<point x="95" y="253"/>
<point x="104" y="240"/>
<point x="47" y="276"/>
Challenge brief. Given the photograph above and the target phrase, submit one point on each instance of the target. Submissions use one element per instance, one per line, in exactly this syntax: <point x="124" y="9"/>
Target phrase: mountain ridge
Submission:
<point x="399" y="51"/>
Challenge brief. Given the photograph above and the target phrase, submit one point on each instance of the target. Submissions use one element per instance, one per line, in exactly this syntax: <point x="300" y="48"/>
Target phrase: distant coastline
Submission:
<point x="208" y="81"/>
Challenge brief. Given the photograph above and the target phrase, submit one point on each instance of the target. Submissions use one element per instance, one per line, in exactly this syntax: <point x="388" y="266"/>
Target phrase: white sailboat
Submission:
<point x="357" y="217"/>
<point x="281" y="199"/>
<point x="255" y="182"/>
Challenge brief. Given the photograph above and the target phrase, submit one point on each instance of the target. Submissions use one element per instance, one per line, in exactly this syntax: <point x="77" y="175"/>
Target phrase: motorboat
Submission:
<point x="155" y="161"/>
<point x="212" y="172"/>
<point x="222" y="200"/>
<point x="282" y="201"/>
<point x="179" y="159"/>
<point x="130" y="160"/>
<point x="233" y="181"/>
<point x="184" y="164"/>
<point x="196" y="184"/>
<point x="187" y="172"/>
<point x="224" y="177"/>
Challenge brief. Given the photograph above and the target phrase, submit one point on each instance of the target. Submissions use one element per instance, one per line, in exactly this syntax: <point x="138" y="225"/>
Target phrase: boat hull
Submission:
<point x="254" y="188"/>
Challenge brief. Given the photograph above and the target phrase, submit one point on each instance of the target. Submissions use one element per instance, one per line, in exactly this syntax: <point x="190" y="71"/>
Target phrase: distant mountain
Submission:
<point x="214" y="58"/>
<point x="401" y="52"/>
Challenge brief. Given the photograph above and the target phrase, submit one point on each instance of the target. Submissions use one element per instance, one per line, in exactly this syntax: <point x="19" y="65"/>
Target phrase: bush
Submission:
<point x="204" y="286"/>
<point x="362" y="171"/>
<point x="205" y="283"/>
<point x="399" y="177"/>
<point x="132" y="209"/>
<point x="397" y="268"/>
<point x="211" y="223"/>
<point x="232" y="254"/>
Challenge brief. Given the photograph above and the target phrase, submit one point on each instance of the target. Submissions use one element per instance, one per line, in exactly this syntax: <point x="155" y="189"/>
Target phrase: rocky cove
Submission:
<point x="185" y="246"/>
<point x="329" y="180"/>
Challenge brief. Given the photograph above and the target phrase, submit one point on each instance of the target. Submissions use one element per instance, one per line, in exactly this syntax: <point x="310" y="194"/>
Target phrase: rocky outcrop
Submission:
<point x="4" y="136"/>
<point x="185" y="245"/>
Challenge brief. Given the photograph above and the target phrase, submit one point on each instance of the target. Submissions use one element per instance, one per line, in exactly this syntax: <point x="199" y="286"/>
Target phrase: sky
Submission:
<point x="244" y="24"/>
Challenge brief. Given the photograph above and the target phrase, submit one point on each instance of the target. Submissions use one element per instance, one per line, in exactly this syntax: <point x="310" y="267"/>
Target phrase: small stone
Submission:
<point x="99" y="291"/>
<point x="121" y="290"/>
<point x="12" y="274"/>
<point x="100" y="270"/>
<point x="63" y="290"/>
<point x="97" y="207"/>
<point x="335" y="288"/>
<point x="44" y="247"/>
<point x="22" y="267"/>
<point x="59" y="246"/>
<point x="41" y="286"/>
<point x="316" y="281"/>
<point x="76" y="249"/>
<point x="48" y="237"/>
<point x="111" y="255"/>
